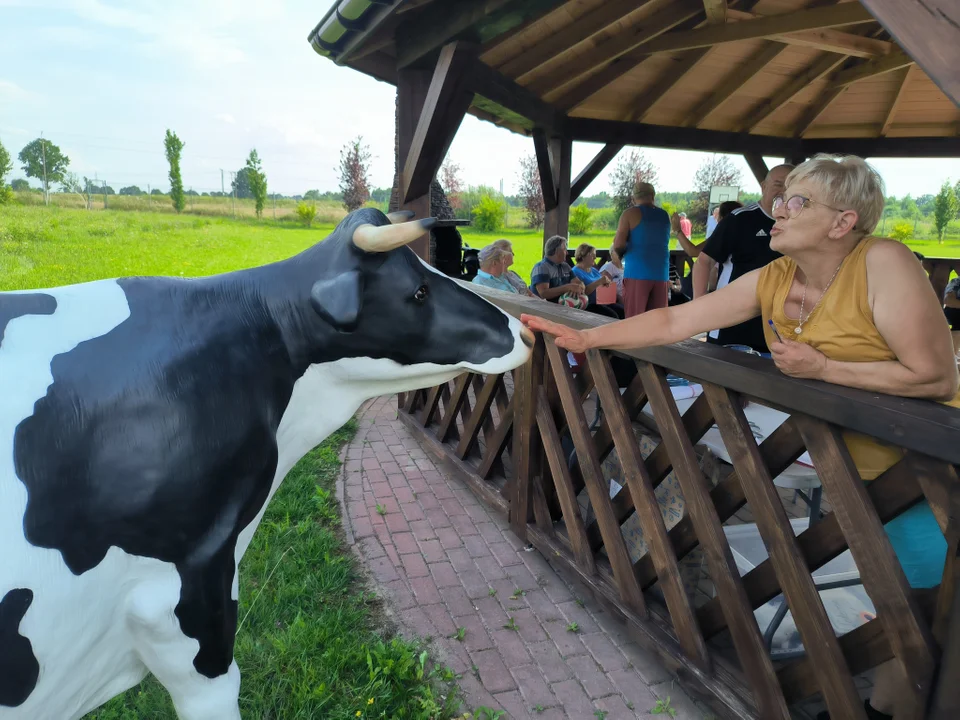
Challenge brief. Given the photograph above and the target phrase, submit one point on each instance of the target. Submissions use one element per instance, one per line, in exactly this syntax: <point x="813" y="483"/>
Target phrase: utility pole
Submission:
<point x="233" y="195"/>
<point x="222" y="191"/>
<point x="43" y="152"/>
<point x="104" y="189"/>
<point x="274" y="207"/>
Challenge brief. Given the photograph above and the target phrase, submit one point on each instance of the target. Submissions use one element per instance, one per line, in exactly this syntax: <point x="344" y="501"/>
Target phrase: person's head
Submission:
<point x="493" y="259"/>
<point x="725" y="208"/>
<point x="829" y="198"/>
<point x="615" y="256"/>
<point x="683" y="214"/>
<point x="507" y="247"/>
<point x="586" y="254"/>
<point x="643" y="193"/>
<point x="555" y="248"/>
<point x="772" y="185"/>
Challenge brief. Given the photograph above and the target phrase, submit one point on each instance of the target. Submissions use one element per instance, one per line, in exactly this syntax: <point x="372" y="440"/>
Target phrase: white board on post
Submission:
<point x="722" y="193"/>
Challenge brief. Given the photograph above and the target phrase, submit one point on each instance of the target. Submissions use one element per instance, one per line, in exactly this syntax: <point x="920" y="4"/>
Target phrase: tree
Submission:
<point x="908" y="208"/>
<point x="241" y="184"/>
<point x="71" y="184"/>
<point x="631" y="169"/>
<point x="944" y="208"/>
<point x="191" y="192"/>
<point x="956" y="191"/>
<point x="6" y="164"/>
<point x="131" y="190"/>
<point x="531" y="191"/>
<point x="718" y="170"/>
<point x="20" y="185"/>
<point x="174" y="148"/>
<point x="258" y="181"/>
<point x="311" y="195"/>
<point x="451" y="183"/>
<point x="156" y="191"/>
<point x="353" y="172"/>
<point x="44" y="161"/>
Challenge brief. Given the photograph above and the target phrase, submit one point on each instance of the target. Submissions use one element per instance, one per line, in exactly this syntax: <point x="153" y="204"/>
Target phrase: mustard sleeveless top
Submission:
<point x="842" y="328"/>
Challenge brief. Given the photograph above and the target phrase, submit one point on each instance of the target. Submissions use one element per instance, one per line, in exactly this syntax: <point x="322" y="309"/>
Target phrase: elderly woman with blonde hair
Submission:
<point x="842" y="307"/>
<point x="510" y="275"/>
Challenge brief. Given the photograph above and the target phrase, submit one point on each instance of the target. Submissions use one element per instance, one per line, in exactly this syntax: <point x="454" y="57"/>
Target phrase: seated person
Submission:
<point x="493" y="265"/>
<point x="613" y="269"/>
<point x="552" y="276"/>
<point x="849" y="309"/>
<point x="585" y="269"/>
<point x="951" y="308"/>
<point x="509" y="274"/>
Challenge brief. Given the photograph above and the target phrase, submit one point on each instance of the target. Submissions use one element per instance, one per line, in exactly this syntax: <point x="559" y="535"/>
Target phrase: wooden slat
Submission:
<point x="778" y="451"/>
<point x="640" y="487"/>
<point x="526" y="441"/>
<point x="593" y="169"/>
<point x="716" y="11"/>
<point x="556" y="220"/>
<point x="430" y="406"/>
<point x="739" y="77"/>
<point x="411" y="401"/>
<point x="423" y="33"/>
<point x="497" y="87"/>
<point x="882" y="576"/>
<point x="892" y="493"/>
<point x="723" y="569"/>
<point x="586" y="86"/>
<point x="642" y="104"/>
<point x="946" y="626"/>
<point x="809" y="615"/>
<point x="572" y="518"/>
<point x="814" y="111"/>
<point x="452" y="408"/>
<point x="757" y="166"/>
<point x="497" y="443"/>
<point x="471" y="429"/>
<point x="897" y="96"/>
<point x="545" y="165"/>
<point x="569" y="70"/>
<point x="597" y="488"/>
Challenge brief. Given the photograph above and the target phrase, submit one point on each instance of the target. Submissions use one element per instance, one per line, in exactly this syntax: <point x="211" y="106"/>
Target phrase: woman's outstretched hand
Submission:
<point x="566" y="337"/>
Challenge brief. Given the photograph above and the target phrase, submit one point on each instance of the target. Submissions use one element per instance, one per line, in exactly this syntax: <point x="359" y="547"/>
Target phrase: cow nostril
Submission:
<point x="527" y="336"/>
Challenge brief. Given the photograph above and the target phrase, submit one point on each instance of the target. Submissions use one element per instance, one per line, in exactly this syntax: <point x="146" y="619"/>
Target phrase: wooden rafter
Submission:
<point x="736" y="80"/>
<point x="849" y="13"/>
<point x="590" y="85"/>
<point x="607" y="153"/>
<point x="838" y="41"/>
<point x="576" y="67"/>
<point x="494" y="44"/>
<point x="547" y="168"/>
<point x="425" y="32"/>
<point x="494" y="86"/>
<point x="579" y="30"/>
<point x="644" y="102"/>
<point x="757" y="166"/>
<point x="716" y="11"/>
<point x="861" y="71"/>
<point x="897" y="96"/>
<point x="810" y="115"/>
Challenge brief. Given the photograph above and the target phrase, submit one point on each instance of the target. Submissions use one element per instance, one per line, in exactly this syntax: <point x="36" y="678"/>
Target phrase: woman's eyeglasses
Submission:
<point x="796" y="203"/>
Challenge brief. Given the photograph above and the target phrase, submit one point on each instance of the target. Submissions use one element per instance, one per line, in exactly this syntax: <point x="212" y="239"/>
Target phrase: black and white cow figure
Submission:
<point x="146" y="422"/>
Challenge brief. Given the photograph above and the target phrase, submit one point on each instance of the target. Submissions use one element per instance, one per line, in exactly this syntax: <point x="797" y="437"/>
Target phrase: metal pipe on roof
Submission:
<point x="340" y="22"/>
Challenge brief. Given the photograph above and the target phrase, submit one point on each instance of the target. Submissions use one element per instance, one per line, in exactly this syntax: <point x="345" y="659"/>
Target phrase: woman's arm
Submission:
<point x="910" y="319"/>
<point x="589" y="287"/>
<point x="688" y="247"/>
<point x="730" y="305"/>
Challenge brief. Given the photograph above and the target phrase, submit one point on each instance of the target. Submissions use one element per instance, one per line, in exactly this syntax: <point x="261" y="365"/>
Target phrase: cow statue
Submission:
<point x="146" y="422"/>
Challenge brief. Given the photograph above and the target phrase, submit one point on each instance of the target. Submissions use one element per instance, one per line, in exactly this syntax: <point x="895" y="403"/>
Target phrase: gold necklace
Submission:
<point x="799" y="328"/>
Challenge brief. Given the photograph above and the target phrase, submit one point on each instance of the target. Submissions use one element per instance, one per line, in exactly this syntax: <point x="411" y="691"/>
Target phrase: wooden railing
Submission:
<point x="509" y="436"/>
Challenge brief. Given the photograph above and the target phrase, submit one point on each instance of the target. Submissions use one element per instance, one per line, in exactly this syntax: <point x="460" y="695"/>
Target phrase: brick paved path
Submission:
<point x="443" y="562"/>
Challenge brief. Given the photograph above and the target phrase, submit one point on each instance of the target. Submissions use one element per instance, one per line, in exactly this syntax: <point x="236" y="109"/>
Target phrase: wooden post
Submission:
<point x="557" y="220"/>
<point x="527" y="446"/>
<point x="412" y="87"/>
<point x="757" y="166"/>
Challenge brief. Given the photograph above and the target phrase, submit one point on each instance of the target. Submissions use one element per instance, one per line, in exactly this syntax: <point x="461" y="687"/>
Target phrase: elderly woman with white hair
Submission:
<point x="847" y="308"/>
<point x="493" y="266"/>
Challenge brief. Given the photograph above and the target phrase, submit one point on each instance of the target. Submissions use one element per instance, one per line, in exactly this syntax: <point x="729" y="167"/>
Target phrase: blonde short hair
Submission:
<point x="583" y="249"/>
<point x="503" y="244"/>
<point x="491" y="254"/>
<point x="849" y="183"/>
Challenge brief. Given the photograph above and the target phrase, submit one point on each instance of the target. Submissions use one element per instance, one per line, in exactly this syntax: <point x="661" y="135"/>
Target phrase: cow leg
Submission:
<point x="170" y="654"/>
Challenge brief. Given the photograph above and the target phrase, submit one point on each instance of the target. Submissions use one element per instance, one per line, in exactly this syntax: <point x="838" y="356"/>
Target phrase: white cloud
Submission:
<point x="226" y="117"/>
<point x="12" y="92"/>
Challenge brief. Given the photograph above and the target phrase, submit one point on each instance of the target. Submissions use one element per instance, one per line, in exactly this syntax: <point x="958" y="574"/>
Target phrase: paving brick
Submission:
<point x="370" y="464"/>
<point x="464" y="526"/>
<point x="438" y="518"/>
<point x="461" y="560"/>
<point x="594" y="681"/>
<point x="392" y="555"/>
<point x="634" y="690"/>
<point x="362" y="528"/>
<point x="476" y="637"/>
<point x="552" y="665"/>
<point x="399" y="595"/>
<point x="417" y="623"/>
<point x="604" y="652"/>
<point x="440" y="618"/>
<point x="512" y="702"/>
<point x="457" y="602"/>
<point x="427" y="500"/>
<point x="533" y="687"/>
<point x="383" y="570"/>
<point x="490" y="568"/>
<point x="476" y="546"/>
<point x="431" y="551"/>
<point x="376" y="476"/>
<point x="444" y="575"/>
<point x="615" y="708"/>
<point x="412" y="512"/>
<point x="493" y="673"/>
<point x="422" y="529"/>
<point x="370" y="548"/>
<point x="449" y="538"/>
<point x="490" y="531"/>
<point x="568" y="643"/>
<point x="403" y="494"/>
<point x="439" y="486"/>
<point x="425" y="590"/>
<point x="679" y="700"/>
<point x="490" y="611"/>
<point x="452" y="507"/>
<point x="414" y="566"/>
<point x="474" y="584"/>
<point x="574" y="700"/>
<point x="647" y="664"/>
<point x="512" y="648"/>
<point x="405" y="542"/>
<point x="529" y="626"/>
<point x="522" y="578"/>
<point x="390" y="467"/>
<point x="504" y="553"/>
<point x="396" y="522"/>
<point x="543" y="607"/>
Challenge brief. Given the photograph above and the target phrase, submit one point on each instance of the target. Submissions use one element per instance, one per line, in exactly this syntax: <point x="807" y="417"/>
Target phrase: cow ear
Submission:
<point x="338" y="299"/>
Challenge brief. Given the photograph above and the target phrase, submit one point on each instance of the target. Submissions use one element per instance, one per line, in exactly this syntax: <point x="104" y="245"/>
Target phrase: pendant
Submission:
<point x="798" y="329"/>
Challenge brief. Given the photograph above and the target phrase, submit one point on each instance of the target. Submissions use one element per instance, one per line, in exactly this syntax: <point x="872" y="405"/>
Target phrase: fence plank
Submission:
<point x="471" y="429"/>
<point x="880" y="571"/>
<point x="809" y="615"/>
<point x="572" y="518"/>
<point x="597" y="488"/>
<point x="640" y="487"/>
<point x="497" y="442"/>
<point x="457" y="398"/>
<point x="526" y="441"/>
<point x="430" y="406"/>
<point x="743" y="626"/>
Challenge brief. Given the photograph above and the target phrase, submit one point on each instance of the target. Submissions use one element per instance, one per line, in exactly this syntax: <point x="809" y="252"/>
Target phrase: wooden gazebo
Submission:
<point x="774" y="78"/>
<point x="781" y="78"/>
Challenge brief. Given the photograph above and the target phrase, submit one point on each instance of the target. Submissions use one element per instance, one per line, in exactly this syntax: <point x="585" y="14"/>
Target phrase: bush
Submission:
<point x="488" y="214"/>
<point x="901" y="231"/>
<point x="6" y="195"/>
<point x="581" y="220"/>
<point x="607" y="218"/>
<point x="306" y="212"/>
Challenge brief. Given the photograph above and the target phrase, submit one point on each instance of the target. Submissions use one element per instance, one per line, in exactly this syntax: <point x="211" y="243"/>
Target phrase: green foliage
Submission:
<point x="901" y="230"/>
<point x="354" y="173"/>
<point x="488" y="214"/>
<point x="258" y="181"/>
<point x="945" y="207"/>
<point x="311" y="195"/>
<point x="131" y="190"/>
<point x="717" y="170"/>
<point x="6" y="195"/>
<point x="173" y="147"/>
<point x="531" y="191"/>
<point x="607" y="218"/>
<point x="6" y="164"/>
<point x="44" y="161"/>
<point x="663" y="707"/>
<point x="581" y="220"/>
<point x="908" y="208"/>
<point x="20" y="185"/>
<point x="306" y="212"/>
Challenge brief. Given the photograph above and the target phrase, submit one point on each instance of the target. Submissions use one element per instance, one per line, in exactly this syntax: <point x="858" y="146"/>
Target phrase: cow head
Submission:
<point x="395" y="320"/>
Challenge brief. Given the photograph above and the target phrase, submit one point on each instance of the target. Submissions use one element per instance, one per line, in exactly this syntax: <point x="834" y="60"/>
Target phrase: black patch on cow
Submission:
<point x="14" y="305"/>
<point x="159" y="437"/>
<point x="19" y="668"/>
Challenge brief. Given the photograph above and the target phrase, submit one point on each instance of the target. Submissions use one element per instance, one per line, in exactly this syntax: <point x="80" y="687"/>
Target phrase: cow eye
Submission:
<point x="421" y="294"/>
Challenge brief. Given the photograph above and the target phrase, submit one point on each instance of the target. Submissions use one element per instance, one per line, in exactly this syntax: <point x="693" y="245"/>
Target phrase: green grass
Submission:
<point x="309" y="646"/>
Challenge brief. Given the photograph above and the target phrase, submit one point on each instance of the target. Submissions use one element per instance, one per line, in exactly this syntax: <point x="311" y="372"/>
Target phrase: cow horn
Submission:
<point x="400" y="216"/>
<point x="383" y="238"/>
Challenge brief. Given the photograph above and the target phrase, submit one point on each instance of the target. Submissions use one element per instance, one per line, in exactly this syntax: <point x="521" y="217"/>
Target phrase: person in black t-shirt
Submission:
<point x="741" y="243"/>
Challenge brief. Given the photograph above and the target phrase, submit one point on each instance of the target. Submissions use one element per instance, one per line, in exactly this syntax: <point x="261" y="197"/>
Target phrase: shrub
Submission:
<point x="901" y="231"/>
<point x="581" y="220"/>
<point x="488" y="214"/>
<point x="306" y="212"/>
<point x="607" y="218"/>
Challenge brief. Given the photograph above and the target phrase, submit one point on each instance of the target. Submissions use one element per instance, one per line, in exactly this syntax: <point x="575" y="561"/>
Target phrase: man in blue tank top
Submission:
<point x="643" y="241"/>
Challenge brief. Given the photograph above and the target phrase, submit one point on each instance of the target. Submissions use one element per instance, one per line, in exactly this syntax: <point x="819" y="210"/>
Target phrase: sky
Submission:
<point x="104" y="80"/>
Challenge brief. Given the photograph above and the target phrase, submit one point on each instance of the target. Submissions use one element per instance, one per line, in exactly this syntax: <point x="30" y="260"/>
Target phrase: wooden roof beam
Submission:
<point x="593" y="169"/>
<point x="494" y="86"/>
<point x="576" y="67"/>
<point x="898" y="95"/>
<point x="828" y="39"/>
<point x="643" y="103"/>
<point x="549" y="179"/>
<point x="734" y="81"/>
<point x="758" y="166"/>
<point x="425" y="32"/>
<point x="849" y="13"/>
<point x="716" y="11"/>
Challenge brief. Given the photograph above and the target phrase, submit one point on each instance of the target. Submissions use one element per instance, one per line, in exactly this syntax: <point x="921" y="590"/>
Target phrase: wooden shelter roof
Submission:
<point x="774" y="77"/>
